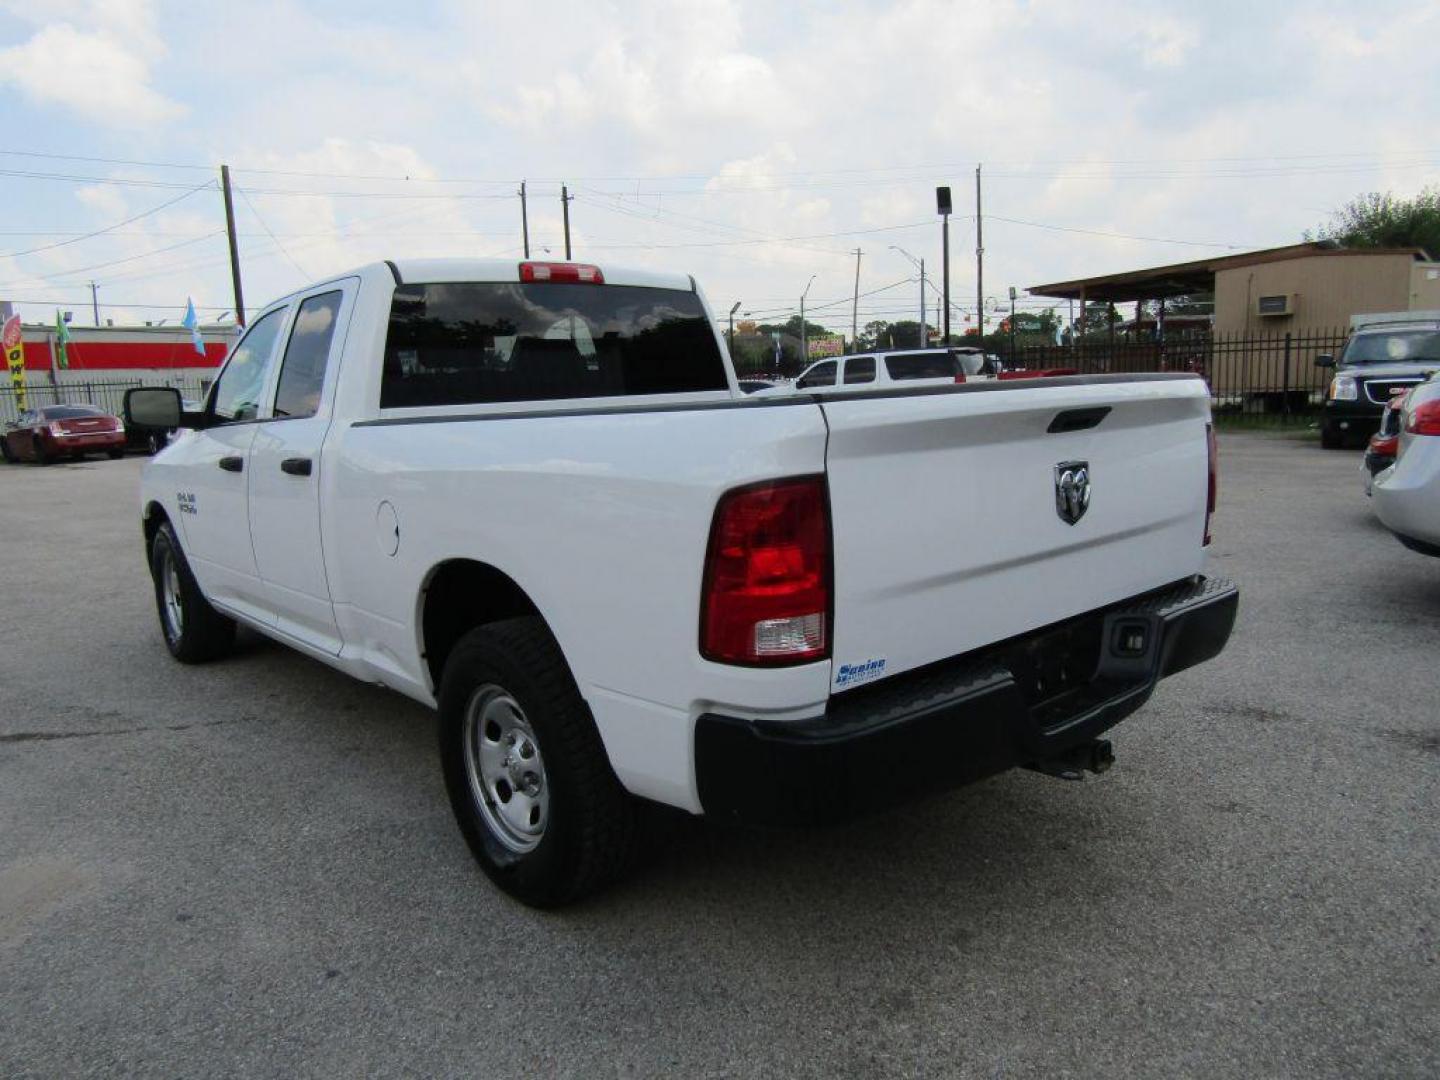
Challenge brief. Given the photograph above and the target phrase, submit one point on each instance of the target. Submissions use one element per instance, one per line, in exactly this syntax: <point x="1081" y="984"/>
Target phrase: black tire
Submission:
<point x="156" y="441"/>
<point x="202" y="632"/>
<point x="1331" y="437"/>
<point x="5" y="452"/>
<point x="590" y="832"/>
<point x="41" y="457"/>
<point x="115" y="455"/>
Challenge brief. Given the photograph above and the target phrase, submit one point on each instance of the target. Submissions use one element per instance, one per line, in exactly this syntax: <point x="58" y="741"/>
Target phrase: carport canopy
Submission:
<point x="1163" y="282"/>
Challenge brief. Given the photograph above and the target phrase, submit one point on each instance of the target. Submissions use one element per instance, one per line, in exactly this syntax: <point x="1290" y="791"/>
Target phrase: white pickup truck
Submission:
<point x="532" y="496"/>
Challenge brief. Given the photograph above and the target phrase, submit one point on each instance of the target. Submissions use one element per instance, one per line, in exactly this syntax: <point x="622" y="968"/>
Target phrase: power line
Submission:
<point x="1119" y="236"/>
<point x="112" y="262"/>
<point x="272" y="236"/>
<point x="110" y="228"/>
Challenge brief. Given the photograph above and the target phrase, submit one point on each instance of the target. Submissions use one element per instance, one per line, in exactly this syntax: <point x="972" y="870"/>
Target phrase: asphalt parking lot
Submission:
<point x="250" y="868"/>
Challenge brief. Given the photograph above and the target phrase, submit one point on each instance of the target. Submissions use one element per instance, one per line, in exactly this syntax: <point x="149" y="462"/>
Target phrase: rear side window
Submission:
<point x="937" y="365"/>
<point x="302" y="372"/>
<point x="471" y="343"/>
<point x="860" y="369"/>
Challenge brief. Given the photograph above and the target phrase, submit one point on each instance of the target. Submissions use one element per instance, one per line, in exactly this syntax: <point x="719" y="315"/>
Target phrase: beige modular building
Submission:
<point x="1308" y="291"/>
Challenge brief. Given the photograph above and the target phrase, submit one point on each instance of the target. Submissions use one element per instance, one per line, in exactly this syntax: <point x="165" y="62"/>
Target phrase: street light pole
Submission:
<point x="924" y="342"/>
<point x="1012" y="325"/>
<point x="942" y="206"/>
<point x="804" y="344"/>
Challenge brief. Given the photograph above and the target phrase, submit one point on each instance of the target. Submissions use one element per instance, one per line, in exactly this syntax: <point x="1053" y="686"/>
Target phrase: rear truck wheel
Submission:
<point x="528" y="778"/>
<point x="193" y="630"/>
<point x="1331" y="437"/>
<point x="115" y="455"/>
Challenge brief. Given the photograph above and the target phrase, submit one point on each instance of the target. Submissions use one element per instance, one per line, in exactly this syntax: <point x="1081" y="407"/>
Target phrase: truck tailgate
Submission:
<point x="947" y="532"/>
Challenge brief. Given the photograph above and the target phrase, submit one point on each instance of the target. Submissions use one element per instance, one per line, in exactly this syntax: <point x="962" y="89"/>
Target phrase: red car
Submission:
<point x="57" y="431"/>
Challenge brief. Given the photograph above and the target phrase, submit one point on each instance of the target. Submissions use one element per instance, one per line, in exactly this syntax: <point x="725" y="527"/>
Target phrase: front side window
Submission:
<point x="237" y="394"/>
<point x="820" y="375"/>
<point x="470" y="343"/>
<point x="302" y="372"/>
<point x="936" y="365"/>
<point x="860" y="369"/>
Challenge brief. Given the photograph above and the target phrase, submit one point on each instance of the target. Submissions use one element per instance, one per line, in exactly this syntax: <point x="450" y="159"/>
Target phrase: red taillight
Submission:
<point x="1424" y="418"/>
<point x="580" y="273"/>
<point x="960" y="378"/>
<point x="1041" y="373"/>
<point x="1212" y="495"/>
<point x="1384" y="444"/>
<point x="766" y="596"/>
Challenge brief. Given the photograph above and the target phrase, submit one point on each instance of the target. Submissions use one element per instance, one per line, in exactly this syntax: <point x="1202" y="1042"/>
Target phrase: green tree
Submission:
<point x="1383" y="220"/>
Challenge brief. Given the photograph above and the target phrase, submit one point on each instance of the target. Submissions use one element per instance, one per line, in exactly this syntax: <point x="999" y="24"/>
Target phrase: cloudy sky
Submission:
<point x="751" y="144"/>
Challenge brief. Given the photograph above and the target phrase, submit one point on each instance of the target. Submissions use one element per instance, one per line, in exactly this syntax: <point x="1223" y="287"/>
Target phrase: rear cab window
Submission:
<point x="475" y="343"/>
<point x="936" y="365"/>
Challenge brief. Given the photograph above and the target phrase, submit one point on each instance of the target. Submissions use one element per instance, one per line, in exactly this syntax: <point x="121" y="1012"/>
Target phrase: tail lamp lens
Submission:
<point x="1213" y="493"/>
<point x="766" y="594"/>
<point x="1423" y="418"/>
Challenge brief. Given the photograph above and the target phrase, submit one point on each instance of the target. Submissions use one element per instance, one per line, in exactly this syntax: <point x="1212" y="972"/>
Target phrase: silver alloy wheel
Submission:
<point x="507" y="774"/>
<point x="174" y="606"/>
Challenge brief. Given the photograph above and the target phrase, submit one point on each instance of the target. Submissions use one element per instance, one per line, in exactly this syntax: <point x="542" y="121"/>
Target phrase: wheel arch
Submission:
<point x="151" y="518"/>
<point x="458" y="595"/>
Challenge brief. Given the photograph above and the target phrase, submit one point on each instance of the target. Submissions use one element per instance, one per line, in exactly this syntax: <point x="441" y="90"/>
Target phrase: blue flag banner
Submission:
<point x="191" y="322"/>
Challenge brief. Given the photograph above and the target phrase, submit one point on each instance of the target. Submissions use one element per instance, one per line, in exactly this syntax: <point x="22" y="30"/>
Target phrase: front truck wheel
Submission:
<point x="529" y="781"/>
<point x="193" y="630"/>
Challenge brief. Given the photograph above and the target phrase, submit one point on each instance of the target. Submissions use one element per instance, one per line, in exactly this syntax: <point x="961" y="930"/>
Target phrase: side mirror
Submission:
<point x="1324" y="360"/>
<point x="152" y="407"/>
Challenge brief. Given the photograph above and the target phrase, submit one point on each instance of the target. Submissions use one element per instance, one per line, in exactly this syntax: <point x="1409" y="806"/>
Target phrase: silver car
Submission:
<point x="1407" y="495"/>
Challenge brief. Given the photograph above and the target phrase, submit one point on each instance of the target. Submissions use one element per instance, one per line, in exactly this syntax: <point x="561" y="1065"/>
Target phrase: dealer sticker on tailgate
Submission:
<point x="855" y="674"/>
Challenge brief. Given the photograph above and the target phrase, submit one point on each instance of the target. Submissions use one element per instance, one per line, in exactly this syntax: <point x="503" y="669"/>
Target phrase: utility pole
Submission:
<point x="804" y="344"/>
<point x="95" y="302"/>
<point x="942" y="206"/>
<point x="924" y="337"/>
<point x="565" y="207"/>
<point x="979" y="260"/>
<point x="524" y="220"/>
<point x="855" y="304"/>
<point x="234" y="251"/>
<point x="732" y="330"/>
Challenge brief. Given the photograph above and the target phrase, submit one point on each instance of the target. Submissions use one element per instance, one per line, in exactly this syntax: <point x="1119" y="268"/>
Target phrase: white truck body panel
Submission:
<point x="946" y="535"/>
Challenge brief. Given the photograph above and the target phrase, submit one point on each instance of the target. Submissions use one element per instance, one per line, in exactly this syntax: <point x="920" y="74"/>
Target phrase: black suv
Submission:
<point x="1378" y="360"/>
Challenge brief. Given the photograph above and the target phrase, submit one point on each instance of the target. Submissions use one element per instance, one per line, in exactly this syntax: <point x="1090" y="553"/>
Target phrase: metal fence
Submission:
<point x="1249" y="375"/>
<point x="108" y="395"/>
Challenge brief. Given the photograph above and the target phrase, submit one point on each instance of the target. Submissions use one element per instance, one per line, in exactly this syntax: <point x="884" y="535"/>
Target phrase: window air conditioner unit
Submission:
<point x="1282" y="304"/>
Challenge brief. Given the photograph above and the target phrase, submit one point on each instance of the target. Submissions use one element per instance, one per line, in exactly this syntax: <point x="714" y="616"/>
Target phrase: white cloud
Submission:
<point x="103" y="74"/>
